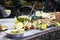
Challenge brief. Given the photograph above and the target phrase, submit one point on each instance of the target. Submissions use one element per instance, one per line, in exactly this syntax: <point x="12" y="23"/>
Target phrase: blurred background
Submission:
<point x="12" y="8"/>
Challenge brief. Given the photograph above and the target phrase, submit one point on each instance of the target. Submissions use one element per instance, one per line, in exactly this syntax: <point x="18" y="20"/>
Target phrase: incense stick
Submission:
<point x="32" y="8"/>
